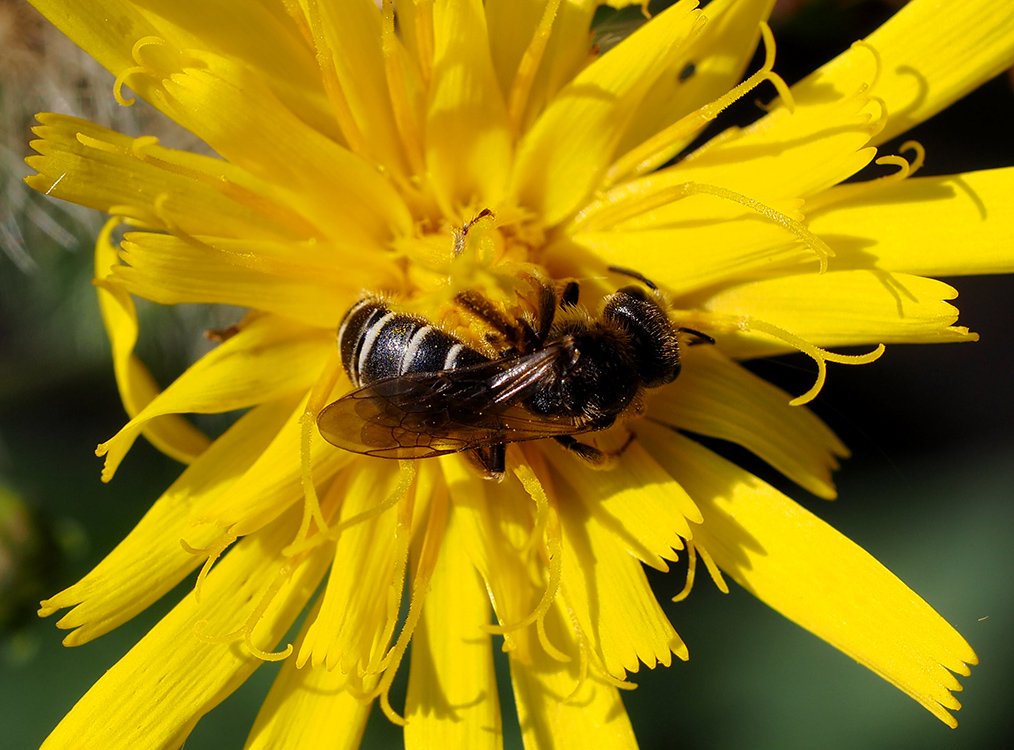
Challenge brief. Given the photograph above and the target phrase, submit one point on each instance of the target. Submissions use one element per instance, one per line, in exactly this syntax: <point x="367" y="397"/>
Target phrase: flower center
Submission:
<point x="490" y="254"/>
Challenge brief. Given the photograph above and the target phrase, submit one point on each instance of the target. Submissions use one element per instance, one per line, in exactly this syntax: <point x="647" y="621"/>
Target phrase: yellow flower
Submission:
<point x="352" y="148"/>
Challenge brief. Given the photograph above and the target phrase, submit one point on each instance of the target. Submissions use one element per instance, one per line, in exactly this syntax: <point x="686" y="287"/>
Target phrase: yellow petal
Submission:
<point x="155" y="186"/>
<point x="268" y="359"/>
<point x="946" y="226"/>
<point x="348" y="51"/>
<point x="275" y="480"/>
<point x="452" y="692"/>
<point x="717" y="397"/>
<point x="819" y="579"/>
<point x="691" y="255"/>
<point x="468" y="144"/>
<point x="172" y="435"/>
<point x="557" y="705"/>
<point x="718" y="57"/>
<point x="607" y="592"/>
<point x="273" y="277"/>
<point x="345" y="196"/>
<point x="558" y="164"/>
<point x="644" y="506"/>
<point x="927" y="56"/>
<point x="107" y="36"/>
<point x="497" y="536"/>
<point x="567" y="50"/>
<point x="287" y="63"/>
<point x="363" y="593"/>
<point x="514" y="22"/>
<point x="151" y="559"/>
<point x="841" y="308"/>
<point x="556" y="699"/>
<point x="155" y="694"/>
<point x="810" y="151"/>
<point x="310" y="707"/>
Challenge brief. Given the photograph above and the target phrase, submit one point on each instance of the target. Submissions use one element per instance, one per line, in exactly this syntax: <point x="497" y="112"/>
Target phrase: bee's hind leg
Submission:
<point x="597" y="457"/>
<point x="491" y="461"/>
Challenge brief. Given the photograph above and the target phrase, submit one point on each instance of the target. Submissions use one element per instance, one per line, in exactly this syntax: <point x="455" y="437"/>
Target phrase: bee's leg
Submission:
<point x="518" y="334"/>
<point x="491" y="461"/>
<point x="570" y="294"/>
<point x="547" y="310"/>
<point x="595" y="456"/>
<point x="697" y="336"/>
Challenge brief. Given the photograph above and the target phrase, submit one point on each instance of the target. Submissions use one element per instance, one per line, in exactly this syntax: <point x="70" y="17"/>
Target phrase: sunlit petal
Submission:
<point x="818" y="578"/>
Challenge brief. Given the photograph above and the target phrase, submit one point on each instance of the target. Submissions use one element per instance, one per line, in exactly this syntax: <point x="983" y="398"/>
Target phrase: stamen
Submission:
<point x="406" y="478"/>
<point x="688" y="585"/>
<point x="530" y="481"/>
<point x="307" y="422"/>
<point x="295" y="12"/>
<point x="134" y="216"/>
<point x="852" y="190"/>
<point x="583" y="653"/>
<point x="713" y="571"/>
<point x="158" y="206"/>
<point x="139" y="68"/>
<point x="547" y="522"/>
<point x="332" y="84"/>
<point x="420" y="585"/>
<point x="585" y="665"/>
<point x="665" y="144"/>
<point x="815" y="243"/>
<point x="97" y="143"/>
<point x="310" y="537"/>
<point x="617" y="682"/>
<point x="627" y="202"/>
<point x="424" y="37"/>
<point x="905" y="167"/>
<point x="121" y="80"/>
<point x="245" y="632"/>
<point x="529" y="64"/>
<point x="397" y="88"/>
<point x="213" y="552"/>
<point x="877" y="64"/>
<point x="818" y="355"/>
<point x="403" y="537"/>
<point x="144" y="42"/>
<point x="918" y="157"/>
<point x="141" y="145"/>
<point x="879" y="122"/>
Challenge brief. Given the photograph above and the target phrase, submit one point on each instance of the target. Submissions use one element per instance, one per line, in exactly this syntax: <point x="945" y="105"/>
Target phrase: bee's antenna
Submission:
<point x="634" y="275"/>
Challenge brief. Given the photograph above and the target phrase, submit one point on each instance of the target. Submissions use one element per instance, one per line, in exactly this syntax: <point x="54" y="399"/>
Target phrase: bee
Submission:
<point x="421" y="391"/>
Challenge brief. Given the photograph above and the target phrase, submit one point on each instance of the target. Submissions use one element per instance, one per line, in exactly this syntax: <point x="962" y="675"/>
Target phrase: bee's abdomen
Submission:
<point x="376" y="343"/>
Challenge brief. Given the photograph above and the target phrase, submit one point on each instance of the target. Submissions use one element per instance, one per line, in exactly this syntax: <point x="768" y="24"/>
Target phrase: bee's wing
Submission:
<point x="432" y="413"/>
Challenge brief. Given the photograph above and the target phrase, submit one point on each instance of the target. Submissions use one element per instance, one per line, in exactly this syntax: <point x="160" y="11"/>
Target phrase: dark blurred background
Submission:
<point x="928" y="491"/>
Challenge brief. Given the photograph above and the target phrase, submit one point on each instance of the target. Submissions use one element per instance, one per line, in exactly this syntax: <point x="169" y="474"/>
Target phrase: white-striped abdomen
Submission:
<point x="376" y="343"/>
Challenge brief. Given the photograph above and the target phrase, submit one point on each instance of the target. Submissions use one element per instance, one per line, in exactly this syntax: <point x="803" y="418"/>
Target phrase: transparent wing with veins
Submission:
<point x="433" y="413"/>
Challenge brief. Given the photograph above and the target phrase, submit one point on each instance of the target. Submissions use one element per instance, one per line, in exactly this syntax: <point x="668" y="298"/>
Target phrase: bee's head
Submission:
<point x="652" y="335"/>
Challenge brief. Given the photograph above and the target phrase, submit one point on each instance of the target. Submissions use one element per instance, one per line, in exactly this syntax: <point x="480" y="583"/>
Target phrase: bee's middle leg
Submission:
<point x="595" y="456"/>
